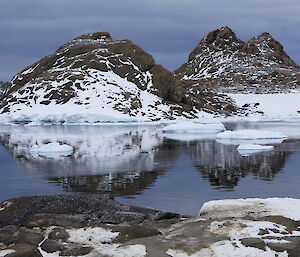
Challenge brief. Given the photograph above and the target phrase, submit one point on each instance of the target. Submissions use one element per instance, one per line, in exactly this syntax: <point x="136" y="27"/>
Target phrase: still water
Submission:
<point x="139" y="165"/>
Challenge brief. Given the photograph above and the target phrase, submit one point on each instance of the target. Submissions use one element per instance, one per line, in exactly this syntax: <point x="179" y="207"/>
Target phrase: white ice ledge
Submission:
<point x="250" y="134"/>
<point x="193" y="127"/>
<point x="52" y="150"/>
<point x="286" y="207"/>
<point x="247" y="149"/>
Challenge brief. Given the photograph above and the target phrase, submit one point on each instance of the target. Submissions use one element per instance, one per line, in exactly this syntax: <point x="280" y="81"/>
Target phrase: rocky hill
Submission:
<point x="223" y="62"/>
<point x="95" y="78"/>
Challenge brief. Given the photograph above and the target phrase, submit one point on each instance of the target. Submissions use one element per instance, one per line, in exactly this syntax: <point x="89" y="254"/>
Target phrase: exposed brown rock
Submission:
<point x="223" y="63"/>
<point x="73" y="68"/>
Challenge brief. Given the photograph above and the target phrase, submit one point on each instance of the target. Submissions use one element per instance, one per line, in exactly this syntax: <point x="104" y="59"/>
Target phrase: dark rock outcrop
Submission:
<point x="72" y="209"/>
<point x="222" y="62"/>
<point x="3" y="87"/>
<point x="24" y="223"/>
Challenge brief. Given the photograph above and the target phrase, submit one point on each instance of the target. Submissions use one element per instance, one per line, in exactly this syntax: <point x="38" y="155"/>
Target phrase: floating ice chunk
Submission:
<point x="52" y="150"/>
<point x="188" y="136"/>
<point x="192" y="127"/>
<point x="250" y="134"/>
<point x="229" y="141"/>
<point x="247" y="149"/>
<point x="52" y="147"/>
<point x="255" y="147"/>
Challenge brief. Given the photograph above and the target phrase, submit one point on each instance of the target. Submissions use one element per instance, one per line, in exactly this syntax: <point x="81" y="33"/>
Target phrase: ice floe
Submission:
<point x="247" y="149"/>
<point x="250" y="134"/>
<point x="193" y="127"/>
<point x="188" y="136"/>
<point x="52" y="150"/>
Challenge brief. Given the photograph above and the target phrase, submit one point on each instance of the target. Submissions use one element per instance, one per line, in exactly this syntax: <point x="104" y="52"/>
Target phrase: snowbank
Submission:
<point x="192" y="127"/>
<point x="53" y="150"/>
<point x="247" y="149"/>
<point x="250" y="134"/>
<point x="286" y="207"/>
<point x="241" y="228"/>
<point x="271" y="106"/>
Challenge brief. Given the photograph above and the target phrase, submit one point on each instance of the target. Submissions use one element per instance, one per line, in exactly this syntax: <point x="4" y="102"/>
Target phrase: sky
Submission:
<point x="167" y="29"/>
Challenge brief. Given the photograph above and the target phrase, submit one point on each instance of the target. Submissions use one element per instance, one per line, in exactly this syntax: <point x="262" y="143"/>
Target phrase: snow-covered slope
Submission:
<point x="221" y="61"/>
<point x="282" y="106"/>
<point x="95" y="78"/>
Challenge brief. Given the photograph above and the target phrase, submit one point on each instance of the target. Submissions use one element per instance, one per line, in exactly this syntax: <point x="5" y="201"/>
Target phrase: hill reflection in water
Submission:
<point x="142" y="166"/>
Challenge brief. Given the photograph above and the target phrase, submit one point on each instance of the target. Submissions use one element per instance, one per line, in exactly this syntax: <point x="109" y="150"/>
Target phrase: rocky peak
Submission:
<point x="266" y="41"/>
<point x="222" y="60"/>
<point x="104" y="36"/>
<point x="219" y="35"/>
<point x="223" y="39"/>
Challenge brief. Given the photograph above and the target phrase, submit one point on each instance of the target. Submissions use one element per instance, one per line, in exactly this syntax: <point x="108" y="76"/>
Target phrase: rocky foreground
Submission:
<point x="90" y="225"/>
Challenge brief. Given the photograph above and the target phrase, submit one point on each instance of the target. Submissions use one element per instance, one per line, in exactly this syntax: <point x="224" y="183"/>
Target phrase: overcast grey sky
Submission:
<point x="167" y="29"/>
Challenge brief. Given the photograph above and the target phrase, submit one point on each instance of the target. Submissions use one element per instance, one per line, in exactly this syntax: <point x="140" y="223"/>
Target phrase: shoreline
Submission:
<point x="96" y="225"/>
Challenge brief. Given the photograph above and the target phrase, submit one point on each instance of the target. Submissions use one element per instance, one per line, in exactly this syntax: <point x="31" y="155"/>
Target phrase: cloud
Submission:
<point x="167" y="29"/>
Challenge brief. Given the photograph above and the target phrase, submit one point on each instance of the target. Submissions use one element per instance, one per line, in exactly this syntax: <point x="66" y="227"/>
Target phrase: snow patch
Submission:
<point x="100" y="239"/>
<point x="5" y="205"/>
<point x="91" y="235"/>
<point x="227" y="249"/>
<point x="6" y="252"/>
<point x="271" y="106"/>
<point x="286" y="207"/>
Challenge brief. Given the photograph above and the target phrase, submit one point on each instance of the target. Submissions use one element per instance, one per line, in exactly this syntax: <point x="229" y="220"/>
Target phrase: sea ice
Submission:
<point x="247" y="149"/>
<point x="186" y="137"/>
<point x="250" y="134"/>
<point x="193" y="127"/>
<point x="52" y="150"/>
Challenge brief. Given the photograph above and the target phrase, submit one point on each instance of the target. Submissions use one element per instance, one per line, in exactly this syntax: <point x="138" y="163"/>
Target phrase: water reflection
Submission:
<point x="96" y="149"/>
<point x="119" y="184"/>
<point x="129" y="160"/>
<point x="223" y="166"/>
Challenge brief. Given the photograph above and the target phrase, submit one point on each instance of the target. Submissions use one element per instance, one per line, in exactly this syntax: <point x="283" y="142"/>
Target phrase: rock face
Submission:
<point x="94" y="75"/>
<point x="222" y="61"/>
<point x="3" y="87"/>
